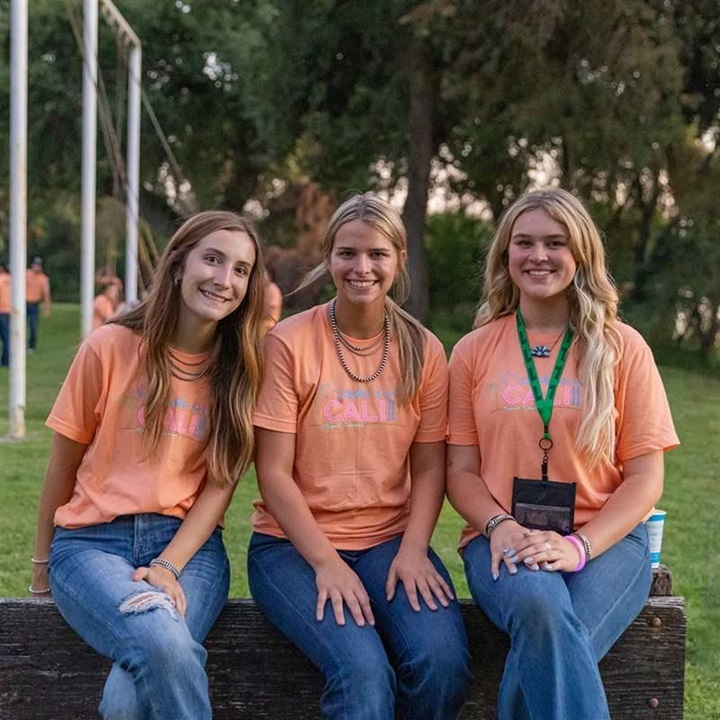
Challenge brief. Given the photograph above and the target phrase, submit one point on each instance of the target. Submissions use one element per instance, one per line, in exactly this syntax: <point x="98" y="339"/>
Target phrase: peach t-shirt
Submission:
<point x="103" y="310"/>
<point x="37" y="286"/>
<point x="491" y="405"/>
<point x="101" y="405"/>
<point x="352" y="438"/>
<point x="5" y="293"/>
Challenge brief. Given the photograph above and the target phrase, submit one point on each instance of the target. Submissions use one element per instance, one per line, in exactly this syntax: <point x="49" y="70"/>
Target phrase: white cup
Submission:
<point x="655" y="524"/>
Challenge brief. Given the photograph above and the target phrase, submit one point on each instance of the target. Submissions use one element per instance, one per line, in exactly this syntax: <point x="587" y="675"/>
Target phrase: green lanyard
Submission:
<point x="544" y="405"/>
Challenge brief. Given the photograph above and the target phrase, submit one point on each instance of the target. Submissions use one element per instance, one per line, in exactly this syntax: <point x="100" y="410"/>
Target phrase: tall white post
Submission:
<point x="133" y="175"/>
<point x="132" y="190"/>
<point x="18" y="213"/>
<point x="89" y="151"/>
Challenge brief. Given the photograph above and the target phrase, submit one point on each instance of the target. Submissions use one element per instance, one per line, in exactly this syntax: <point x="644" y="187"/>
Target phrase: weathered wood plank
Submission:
<point x="47" y="672"/>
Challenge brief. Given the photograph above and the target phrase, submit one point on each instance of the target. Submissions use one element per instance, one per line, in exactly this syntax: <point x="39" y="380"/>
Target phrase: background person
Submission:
<point x="549" y="320"/>
<point x="5" y="309"/>
<point x="106" y="304"/>
<point x="37" y="291"/>
<point x="152" y="431"/>
<point x="351" y="424"/>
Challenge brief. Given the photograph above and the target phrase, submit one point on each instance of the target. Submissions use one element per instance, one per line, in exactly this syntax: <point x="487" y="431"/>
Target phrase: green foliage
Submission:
<point x="455" y="245"/>
<point x="691" y="533"/>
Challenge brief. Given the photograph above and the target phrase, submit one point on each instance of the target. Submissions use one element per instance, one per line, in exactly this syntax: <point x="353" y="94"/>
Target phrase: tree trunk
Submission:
<point x="418" y="70"/>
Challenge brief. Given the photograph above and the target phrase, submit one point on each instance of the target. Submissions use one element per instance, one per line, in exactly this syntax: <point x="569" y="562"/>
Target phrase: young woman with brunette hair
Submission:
<point x="153" y="429"/>
<point x="351" y="424"/>
<point x="558" y="421"/>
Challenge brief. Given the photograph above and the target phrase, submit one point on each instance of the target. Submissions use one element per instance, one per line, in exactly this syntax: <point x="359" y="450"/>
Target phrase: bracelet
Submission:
<point x="163" y="563"/>
<point x="33" y="591"/>
<point x="586" y="544"/>
<point x="35" y="561"/>
<point x="581" y="550"/>
<point x="494" y="521"/>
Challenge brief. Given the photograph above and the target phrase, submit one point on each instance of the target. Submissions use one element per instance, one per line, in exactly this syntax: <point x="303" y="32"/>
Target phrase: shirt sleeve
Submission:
<point x="277" y="405"/>
<point x="78" y="408"/>
<point x="644" y="420"/>
<point x="433" y="394"/>
<point x="461" y="414"/>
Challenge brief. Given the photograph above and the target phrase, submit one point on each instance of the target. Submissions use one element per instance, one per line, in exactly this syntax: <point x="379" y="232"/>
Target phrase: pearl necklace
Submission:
<point x="341" y="340"/>
<point x="185" y="375"/>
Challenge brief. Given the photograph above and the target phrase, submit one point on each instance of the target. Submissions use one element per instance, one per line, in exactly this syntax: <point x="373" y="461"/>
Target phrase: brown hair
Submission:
<point x="237" y="368"/>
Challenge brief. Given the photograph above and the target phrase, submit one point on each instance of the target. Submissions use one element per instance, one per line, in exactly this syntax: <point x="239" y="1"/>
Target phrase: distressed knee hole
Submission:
<point x="147" y="601"/>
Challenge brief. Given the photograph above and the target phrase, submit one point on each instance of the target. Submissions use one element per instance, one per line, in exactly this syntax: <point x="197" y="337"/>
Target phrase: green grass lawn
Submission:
<point x="690" y="548"/>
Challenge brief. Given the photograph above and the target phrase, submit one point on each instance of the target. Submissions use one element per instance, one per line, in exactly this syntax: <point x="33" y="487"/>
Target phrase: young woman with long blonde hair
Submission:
<point x="558" y="421"/>
<point x="351" y="424"/>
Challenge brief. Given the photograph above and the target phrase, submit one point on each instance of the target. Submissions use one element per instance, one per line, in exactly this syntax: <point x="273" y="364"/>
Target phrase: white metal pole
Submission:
<point x="89" y="151"/>
<point x="133" y="175"/>
<point x="18" y="213"/>
<point x="115" y="18"/>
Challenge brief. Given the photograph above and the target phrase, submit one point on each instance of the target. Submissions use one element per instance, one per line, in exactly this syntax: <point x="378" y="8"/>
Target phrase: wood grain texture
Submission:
<point x="48" y="673"/>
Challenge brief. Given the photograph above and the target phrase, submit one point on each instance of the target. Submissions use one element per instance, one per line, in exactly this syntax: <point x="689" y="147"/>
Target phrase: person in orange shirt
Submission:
<point x="558" y="421"/>
<point x="5" y="308"/>
<point x="37" y="291"/>
<point x="350" y="462"/>
<point x="152" y="431"/>
<point x="106" y="304"/>
<point x="273" y="302"/>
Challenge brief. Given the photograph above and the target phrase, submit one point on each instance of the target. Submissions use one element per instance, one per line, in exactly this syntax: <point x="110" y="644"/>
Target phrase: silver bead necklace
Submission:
<point x="341" y="340"/>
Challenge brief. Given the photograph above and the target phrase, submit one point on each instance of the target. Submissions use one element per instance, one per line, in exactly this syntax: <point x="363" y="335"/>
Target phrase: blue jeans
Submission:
<point x="560" y="626"/>
<point x="5" y="338"/>
<point x="159" y="662"/>
<point x="33" y="319"/>
<point x="410" y="665"/>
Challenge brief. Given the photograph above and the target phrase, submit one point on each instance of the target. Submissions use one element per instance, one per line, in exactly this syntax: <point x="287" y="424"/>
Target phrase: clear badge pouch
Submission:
<point x="544" y="504"/>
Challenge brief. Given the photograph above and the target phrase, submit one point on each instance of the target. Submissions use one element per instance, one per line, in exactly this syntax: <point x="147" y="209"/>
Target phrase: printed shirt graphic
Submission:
<point x="352" y="438"/>
<point x="101" y="403"/>
<point x="491" y="405"/>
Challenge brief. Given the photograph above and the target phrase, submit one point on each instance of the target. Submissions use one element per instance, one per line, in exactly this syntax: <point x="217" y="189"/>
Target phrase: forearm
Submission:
<point x="469" y="495"/>
<point x="57" y="489"/>
<point x="427" y="492"/>
<point x="200" y="522"/>
<point x="628" y="505"/>
<point x="290" y="510"/>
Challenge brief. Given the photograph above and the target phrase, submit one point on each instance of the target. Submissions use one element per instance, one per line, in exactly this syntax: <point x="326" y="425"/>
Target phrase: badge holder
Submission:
<point x="544" y="504"/>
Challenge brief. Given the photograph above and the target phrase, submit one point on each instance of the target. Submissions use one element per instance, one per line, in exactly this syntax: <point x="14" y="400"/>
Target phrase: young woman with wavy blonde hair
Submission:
<point x="558" y="421"/>
<point x="152" y="431"/>
<point x="351" y="423"/>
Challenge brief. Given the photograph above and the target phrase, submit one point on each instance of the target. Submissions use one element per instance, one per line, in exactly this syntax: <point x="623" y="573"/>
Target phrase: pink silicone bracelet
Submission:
<point x="581" y="549"/>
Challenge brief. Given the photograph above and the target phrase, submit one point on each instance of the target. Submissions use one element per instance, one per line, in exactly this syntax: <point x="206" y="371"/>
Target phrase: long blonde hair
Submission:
<point x="380" y="215"/>
<point x="593" y="300"/>
<point x="237" y="358"/>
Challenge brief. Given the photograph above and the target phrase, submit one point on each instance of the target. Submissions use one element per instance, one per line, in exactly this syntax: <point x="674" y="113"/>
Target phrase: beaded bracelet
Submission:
<point x="163" y="563"/>
<point x="33" y="591"/>
<point x="586" y="544"/>
<point x="35" y="561"/>
<point x="581" y="550"/>
<point x="494" y="521"/>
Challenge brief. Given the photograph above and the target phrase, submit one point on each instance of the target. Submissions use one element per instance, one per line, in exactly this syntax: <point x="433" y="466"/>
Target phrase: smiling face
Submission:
<point x="214" y="280"/>
<point x="540" y="261"/>
<point x="363" y="263"/>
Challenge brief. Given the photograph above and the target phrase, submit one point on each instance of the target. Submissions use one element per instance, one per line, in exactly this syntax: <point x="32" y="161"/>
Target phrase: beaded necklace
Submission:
<point x="341" y="340"/>
<point x="181" y="373"/>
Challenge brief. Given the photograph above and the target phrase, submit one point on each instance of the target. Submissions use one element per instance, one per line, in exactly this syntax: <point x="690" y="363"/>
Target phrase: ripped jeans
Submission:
<point x="159" y="661"/>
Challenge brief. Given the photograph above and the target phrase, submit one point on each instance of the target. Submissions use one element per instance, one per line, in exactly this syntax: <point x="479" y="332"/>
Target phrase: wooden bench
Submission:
<point x="48" y="673"/>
